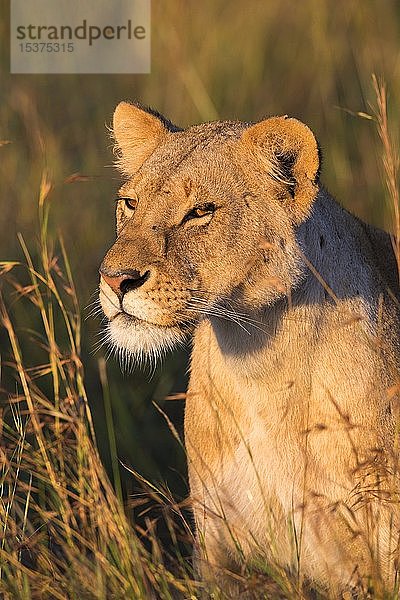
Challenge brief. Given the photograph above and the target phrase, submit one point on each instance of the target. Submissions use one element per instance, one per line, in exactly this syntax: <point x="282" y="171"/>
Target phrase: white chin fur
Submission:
<point x="137" y="341"/>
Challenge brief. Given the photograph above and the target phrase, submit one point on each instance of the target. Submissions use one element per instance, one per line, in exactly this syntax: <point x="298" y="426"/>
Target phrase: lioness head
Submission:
<point x="206" y="219"/>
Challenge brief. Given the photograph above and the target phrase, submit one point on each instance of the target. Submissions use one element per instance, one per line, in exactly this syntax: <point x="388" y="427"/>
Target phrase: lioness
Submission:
<point x="224" y="231"/>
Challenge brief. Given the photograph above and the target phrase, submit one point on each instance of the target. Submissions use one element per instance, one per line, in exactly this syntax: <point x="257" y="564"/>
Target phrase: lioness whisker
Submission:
<point x="95" y="312"/>
<point x="94" y="303"/>
<point x="103" y="341"/>
<point x="215" y="313"/>
<point x="233" y="310"/>
<point x="229" y="314"/>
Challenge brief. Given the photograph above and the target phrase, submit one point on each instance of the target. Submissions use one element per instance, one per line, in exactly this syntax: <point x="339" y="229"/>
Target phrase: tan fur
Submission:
<point x="138" y="144"/>
<point x="289" y="425"/>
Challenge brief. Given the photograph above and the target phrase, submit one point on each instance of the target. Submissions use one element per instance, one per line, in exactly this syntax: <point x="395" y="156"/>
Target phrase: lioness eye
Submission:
<point x="130" y="203"/>
<point x="200" y="211"/>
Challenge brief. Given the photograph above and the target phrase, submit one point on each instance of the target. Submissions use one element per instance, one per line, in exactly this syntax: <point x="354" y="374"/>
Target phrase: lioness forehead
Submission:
<point x="195" y="143"/>
<point x="182" y="161"/>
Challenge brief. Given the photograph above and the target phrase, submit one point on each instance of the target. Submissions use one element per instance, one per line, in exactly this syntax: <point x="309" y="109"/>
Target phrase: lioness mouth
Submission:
<point x="132" y="319"/>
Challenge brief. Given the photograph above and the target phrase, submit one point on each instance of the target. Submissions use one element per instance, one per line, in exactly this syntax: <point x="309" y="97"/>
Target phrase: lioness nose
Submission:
<point x="125" y="281"/>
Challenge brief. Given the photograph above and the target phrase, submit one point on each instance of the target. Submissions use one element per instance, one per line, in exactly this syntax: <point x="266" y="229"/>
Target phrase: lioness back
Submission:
<point x="224" y="233"/>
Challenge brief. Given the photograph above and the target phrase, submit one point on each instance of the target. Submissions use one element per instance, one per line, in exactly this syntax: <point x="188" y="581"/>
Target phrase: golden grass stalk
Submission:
<point x="390" y="161"/>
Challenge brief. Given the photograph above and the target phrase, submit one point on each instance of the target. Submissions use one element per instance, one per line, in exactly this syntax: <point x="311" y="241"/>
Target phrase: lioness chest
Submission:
<point x="271" y="436"/>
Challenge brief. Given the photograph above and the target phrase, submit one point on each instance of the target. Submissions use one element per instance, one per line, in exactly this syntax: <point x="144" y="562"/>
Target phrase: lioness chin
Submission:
<point x="224" y="233"/>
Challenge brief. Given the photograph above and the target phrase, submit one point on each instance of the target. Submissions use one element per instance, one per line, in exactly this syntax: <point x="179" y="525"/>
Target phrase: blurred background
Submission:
<point x="210" y="60"/>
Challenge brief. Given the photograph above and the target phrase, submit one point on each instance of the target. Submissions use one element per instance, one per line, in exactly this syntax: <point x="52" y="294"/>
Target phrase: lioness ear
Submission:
<point x="290" y="153"/>
<point x="137" y="132"/>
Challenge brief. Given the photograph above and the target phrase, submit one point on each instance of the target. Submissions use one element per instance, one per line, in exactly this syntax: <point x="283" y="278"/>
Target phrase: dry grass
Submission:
<point x="390" y="162"/>
<point x="64" y="530"/>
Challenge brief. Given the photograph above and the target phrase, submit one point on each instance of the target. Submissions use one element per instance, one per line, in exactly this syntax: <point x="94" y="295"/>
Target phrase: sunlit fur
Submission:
<point x="133" y="340"/>
<point x="289" y="425"/>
